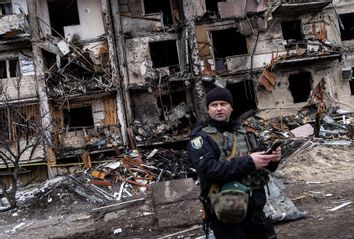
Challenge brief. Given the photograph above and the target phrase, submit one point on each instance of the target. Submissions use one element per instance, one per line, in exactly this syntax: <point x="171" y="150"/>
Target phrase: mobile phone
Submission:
<point x="273" y="147"/>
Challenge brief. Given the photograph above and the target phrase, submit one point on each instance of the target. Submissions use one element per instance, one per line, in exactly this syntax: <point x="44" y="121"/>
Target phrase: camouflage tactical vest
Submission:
<point x="231" y="145"/>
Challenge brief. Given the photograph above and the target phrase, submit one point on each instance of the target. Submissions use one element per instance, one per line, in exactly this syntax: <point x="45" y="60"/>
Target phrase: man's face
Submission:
<point x="220" y="110"/>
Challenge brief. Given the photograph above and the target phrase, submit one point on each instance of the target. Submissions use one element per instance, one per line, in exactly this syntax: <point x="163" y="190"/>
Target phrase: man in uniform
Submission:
<point x="221" y="154"/>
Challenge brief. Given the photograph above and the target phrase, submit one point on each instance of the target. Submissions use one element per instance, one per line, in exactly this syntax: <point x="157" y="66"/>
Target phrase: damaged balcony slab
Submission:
<point x="305" y="60"/>
<point x="12" y="24"/>
<point x="298" y="7"/>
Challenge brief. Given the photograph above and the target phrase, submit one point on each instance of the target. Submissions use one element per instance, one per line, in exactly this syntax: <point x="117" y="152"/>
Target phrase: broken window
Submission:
<point x="164" y="53"/>
<point x="78" y="118"/>
<point x="346" y="26"/>
<point x="212" y="5"/>
<point x="3" y="70"/>
<point x="300" y="86"/>
<point x="14" y="68"/>
<point x="19" y="121"/>
<point x="292" y="32"/>
<point x="244" y="97"/>
<point x="226" y="43"/>
<point x="9" y="68"/>
<point x="166" y="102"/>
<point x="159" y="6"/>
<point x="62" y="13"/>
<point x="5" y="8"/>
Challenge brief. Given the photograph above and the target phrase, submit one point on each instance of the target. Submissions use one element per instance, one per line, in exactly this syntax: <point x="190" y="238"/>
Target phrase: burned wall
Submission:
<point x="291" y="85"/>
<point x="140" y="57"/>
<point x="83" y="122"/>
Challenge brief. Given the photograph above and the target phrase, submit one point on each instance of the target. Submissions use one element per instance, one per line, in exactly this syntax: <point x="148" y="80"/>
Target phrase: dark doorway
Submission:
<point x="77" y="118"/>
<point x="164" y="53"/>
<point x="348" y="23"/>
<point x="157" y="6"/>
<point x="243" y="97"/>
<point x="300" y="86"/>
<point x="62" y="13"/>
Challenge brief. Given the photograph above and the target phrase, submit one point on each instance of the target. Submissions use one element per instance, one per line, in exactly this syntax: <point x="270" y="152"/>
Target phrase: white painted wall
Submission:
<point x="11" y="87"/>
<point x="91" y="21"/>
<point x="19" y="6"/>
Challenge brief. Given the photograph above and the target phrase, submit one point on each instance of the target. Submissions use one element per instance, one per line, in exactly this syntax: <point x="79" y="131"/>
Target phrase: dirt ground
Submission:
<point x="317" y="179"/>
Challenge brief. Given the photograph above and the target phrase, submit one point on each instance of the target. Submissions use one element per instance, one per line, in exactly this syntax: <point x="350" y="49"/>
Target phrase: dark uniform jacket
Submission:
<point x="204" y="154"/>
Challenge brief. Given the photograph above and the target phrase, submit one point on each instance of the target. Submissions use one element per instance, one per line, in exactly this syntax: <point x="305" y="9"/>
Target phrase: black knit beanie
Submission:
<point x="219" y="93"/>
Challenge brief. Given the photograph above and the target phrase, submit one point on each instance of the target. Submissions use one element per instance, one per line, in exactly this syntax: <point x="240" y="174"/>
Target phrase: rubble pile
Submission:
<point x="80" y="71"/>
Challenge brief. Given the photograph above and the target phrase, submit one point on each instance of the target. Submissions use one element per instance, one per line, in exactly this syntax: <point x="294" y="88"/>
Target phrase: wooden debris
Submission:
<point x="340" y="206"/>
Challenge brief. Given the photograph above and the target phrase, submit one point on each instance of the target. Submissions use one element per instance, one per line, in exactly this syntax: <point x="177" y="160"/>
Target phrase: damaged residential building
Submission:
<point x="101" y="76"/>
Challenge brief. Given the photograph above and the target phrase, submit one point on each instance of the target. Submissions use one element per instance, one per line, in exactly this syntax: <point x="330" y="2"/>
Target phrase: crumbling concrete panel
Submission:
<point x="18" y="88"/>
<point x="133" y="26"/>
<point x="174" y="191"/>
<point x="193" y="8"/>
<point x="11" y="23"/>
<point x="235" y="8"/>
<point x="139" y="58"/>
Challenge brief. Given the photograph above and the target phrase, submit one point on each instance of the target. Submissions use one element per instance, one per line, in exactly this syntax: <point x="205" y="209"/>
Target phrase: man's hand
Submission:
<point x="261" y="160"/>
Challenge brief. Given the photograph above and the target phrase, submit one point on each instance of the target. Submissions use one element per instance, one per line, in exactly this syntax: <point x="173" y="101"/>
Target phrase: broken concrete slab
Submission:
<point x="303" y="131"/>
<point x="174" y="191"/>
<point x="176" y="202"/>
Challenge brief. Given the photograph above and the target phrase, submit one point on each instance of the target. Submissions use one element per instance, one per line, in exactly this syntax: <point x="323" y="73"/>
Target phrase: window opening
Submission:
<point x="78" y="118"/>
<point x="164" y="53"/>
<point x="300" y="86"/>
<point x="9" y="68"/>
<point x="243" y="97"/>
<point x="19" y="121"/>
<point x="212" y="5"/>
<point x="62" y="13"/>
<point x="292" y="32"/>
<point x="226" y="43"/>
<point x="348" y="32"/>
<point x="5" y="8"/>
<point x="157" y="6"/>
<point x="14" y="68"/>
<point x="3" y="73"/>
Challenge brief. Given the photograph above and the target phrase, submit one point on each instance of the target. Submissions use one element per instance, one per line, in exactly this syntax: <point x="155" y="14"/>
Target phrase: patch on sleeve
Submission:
<point x="197" y="143"/>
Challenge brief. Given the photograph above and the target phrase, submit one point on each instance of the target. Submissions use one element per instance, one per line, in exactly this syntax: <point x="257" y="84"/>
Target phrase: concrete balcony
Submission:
<point x="12" y="25"/>
<point x="298" y="7"/>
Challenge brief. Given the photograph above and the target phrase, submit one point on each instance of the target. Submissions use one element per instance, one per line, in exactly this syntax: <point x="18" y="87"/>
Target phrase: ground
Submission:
<point x="317" y="179"/>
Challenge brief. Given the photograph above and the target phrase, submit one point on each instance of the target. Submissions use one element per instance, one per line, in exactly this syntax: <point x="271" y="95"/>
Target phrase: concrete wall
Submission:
<point x="19" y="6"/>
<point x="139" y="58"/>
<point x="91" y="21"/>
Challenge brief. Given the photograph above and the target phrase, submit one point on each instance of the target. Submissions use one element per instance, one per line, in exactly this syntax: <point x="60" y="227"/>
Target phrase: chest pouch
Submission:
<point x="231" y="202"/>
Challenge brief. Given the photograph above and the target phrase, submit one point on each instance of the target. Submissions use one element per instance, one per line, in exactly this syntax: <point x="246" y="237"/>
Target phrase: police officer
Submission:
<point x="220" y="152"/>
